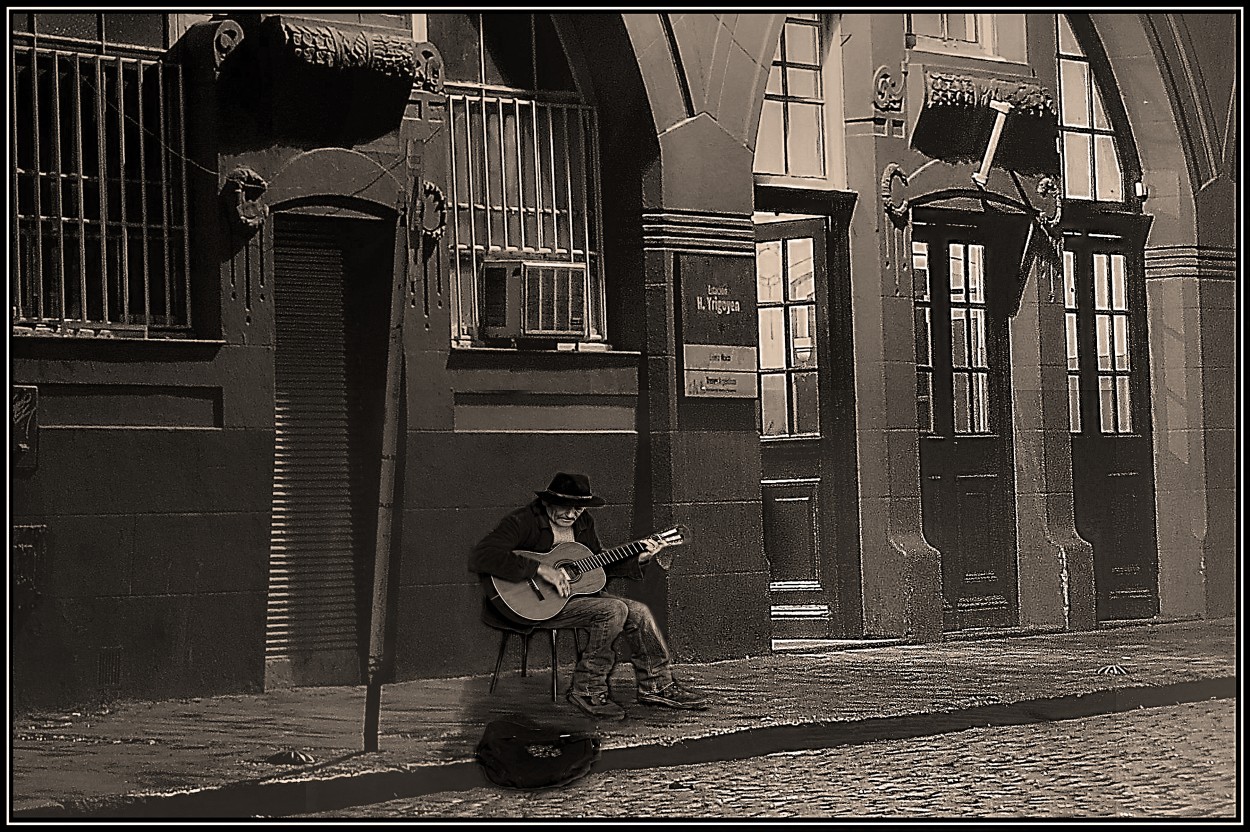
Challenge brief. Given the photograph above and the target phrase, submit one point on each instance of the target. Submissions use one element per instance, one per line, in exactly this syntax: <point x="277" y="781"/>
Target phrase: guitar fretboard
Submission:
<point x="607" y="556"/>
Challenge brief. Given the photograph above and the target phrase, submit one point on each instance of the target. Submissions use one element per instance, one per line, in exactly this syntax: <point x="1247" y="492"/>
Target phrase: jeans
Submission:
<point x="608" y="617"/>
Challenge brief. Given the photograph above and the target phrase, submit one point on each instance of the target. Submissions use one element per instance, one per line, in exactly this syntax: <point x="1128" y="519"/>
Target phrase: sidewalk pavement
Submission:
<point x="208" y="757"/>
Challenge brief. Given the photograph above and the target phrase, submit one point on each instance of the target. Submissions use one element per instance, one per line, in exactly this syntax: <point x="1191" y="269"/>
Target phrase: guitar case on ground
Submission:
<point x="518" y="752"/>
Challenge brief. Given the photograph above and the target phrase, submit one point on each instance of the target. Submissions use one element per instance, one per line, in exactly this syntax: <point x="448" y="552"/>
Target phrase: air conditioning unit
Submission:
<point x="534" y="299"/>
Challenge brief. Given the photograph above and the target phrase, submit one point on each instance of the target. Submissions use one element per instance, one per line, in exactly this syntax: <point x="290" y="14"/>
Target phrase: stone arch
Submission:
<point x="1147" y="101"/>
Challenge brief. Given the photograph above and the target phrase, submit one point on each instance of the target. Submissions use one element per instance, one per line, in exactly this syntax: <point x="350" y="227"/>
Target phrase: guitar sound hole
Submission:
<point x="571" y="572"/>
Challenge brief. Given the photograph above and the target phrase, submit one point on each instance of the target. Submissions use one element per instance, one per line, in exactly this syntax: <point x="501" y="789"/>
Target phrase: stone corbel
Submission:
<point x="887" y="93"/>
<point x="429" y="72"/>
<point x="226" y="39"/>
<point x="900" y="212"/>
<point x="242" y="194"/>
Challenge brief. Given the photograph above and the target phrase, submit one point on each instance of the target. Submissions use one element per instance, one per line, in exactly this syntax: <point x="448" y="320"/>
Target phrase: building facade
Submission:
<point x="919" y="322"/>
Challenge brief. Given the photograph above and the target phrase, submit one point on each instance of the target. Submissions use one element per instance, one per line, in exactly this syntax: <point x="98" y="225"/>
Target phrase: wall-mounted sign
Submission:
<point x="719" y="326"/>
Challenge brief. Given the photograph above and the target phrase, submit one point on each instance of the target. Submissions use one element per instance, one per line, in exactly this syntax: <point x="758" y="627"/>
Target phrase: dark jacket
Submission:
<point x="528" y="529"/>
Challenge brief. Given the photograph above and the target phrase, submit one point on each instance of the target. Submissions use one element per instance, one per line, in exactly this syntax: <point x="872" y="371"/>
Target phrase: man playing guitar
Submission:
<point x="558" y="515"/>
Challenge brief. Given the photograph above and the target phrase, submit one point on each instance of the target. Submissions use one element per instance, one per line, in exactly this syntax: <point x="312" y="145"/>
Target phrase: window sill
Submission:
<point x="84" y="348"/>
<point x="573" y="349"/>
<point x="923" y="55"/>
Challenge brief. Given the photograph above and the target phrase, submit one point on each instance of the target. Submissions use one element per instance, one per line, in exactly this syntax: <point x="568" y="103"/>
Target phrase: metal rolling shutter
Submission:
<point x="314" y="575"/>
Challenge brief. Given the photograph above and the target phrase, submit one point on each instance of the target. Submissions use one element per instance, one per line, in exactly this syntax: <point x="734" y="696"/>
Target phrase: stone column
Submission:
<point x="1191" y="298"/>
<point x="1056" y="566"/>
<point x="702" y="454"/>
<point x="901" y="572"/>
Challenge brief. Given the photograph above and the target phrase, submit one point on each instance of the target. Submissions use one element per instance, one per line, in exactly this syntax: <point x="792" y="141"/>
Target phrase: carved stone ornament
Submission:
<point x="226" y="39"/>
<point x="431" y="213"/>
<point x="242" y="192"/>
<point x="325" y="46"/>
<point x="943" y="89"/>
<point x="898" y="213"/>
<point x="429" y="68"/>
<point x="1048" y="188"/>
<point x="887" y="94"/>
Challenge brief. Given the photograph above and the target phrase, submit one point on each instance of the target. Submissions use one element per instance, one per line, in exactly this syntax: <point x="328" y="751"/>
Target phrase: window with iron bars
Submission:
<point x="99" y="171"/>
<point x="524" y="202"/>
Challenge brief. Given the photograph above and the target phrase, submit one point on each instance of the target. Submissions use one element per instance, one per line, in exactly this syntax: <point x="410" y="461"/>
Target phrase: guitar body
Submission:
<point x="535" y="600"/>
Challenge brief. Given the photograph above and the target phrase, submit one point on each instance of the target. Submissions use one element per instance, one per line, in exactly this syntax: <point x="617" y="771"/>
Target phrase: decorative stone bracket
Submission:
<point x="887" y="93"/>
<point x="963" y="115"/>
<point x="379" y="54"/>
<point x="242" y="193"/>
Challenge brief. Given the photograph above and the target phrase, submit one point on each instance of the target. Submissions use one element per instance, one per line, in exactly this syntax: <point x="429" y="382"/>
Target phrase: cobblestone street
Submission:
<point x="1177" y="761"/>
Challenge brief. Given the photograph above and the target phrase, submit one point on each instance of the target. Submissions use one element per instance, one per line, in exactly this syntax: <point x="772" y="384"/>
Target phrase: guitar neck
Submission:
<point x="625" y="550"/>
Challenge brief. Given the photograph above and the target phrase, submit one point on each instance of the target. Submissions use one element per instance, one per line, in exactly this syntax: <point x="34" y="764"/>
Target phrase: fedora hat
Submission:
<point x="570" y="490"/>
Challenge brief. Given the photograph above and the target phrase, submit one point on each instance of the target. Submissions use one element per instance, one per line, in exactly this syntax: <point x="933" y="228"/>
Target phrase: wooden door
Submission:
<point x="963" y="390"/>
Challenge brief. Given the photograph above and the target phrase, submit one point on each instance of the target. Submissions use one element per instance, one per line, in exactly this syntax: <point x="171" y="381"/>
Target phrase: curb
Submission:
<point x="284" y="798"/>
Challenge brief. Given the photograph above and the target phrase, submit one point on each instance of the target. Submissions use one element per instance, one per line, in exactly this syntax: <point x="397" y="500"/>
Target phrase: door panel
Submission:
<point x="963" y="395"/>
<point x="1109" y="417"/>
<point x="795" y="401"/>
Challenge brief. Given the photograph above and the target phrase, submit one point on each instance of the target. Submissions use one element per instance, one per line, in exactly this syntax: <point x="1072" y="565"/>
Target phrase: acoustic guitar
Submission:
<point x="534" y="600"/>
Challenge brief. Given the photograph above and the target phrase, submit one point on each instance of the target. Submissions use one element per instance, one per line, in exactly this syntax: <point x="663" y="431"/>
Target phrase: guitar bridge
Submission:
<point x="537" y="591"/>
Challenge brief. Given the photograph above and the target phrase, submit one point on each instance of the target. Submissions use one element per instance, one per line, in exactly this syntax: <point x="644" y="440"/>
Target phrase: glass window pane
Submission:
<point x="772" y="339"/>
<point x="801" y="284"/>
<point x="981" y="403"/>
<point x="1107" y="170"/>
<point x="1074" y="404"/>
<point x="1074" y="82"/>
<point x="803" y="83"/>
<point x="957" y="272"/>
<point x="83" y="26"/>
<point x="1067" y="40"/>
<point x="1106" y="404"/>
<point x="802" y="43"/>
<point x="976" y="274"/>
<point x="920" y="270"/>
<point x="1121" y="342"/>
<point x="1069" y="280"/>
<point x="976" y="335"/>
<point x="806" y="404"/>
<point x="143" y="29"/>
<point x="1074" y="360"/>
<point x="1119" y="296"/>
<point x="768" y="271"/>
<point x="962" y="26"/>
<point x="508" y="51"/>
<point x="928" y="23"/>
<point x="924" y="400"/>
<point x="1104" y="342"/>
<point x="1077" y="180"/>
<point x="1124" y="403"/>
<point x="963" y="419"/>
<point x="803" y="336"/>
<point x="959" y="339"/>
<point x="774" y="81"/>
<point x="459" y="43"/>
<point x="924" y="354"/>
<point x="773" y="420"/>
<point x="770" y="140"/>
<point x="1101" y="282"/>
<point x="1101" y="122"/>
<point x="805" y="144"/>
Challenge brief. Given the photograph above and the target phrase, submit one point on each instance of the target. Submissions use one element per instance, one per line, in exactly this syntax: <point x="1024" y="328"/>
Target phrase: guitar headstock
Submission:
<point x="679" y="535"/>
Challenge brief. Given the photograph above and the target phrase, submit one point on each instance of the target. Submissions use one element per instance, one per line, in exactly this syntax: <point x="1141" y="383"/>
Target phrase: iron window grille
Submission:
<point x="99" y="188"/>
<point x="525" y="187"/>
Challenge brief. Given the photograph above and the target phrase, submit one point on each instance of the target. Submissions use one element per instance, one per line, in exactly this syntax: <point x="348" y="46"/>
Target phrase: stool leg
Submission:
<point x="525" y="653"/>
<point x="503" y="645"/>
<point x="555" y="668"/>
